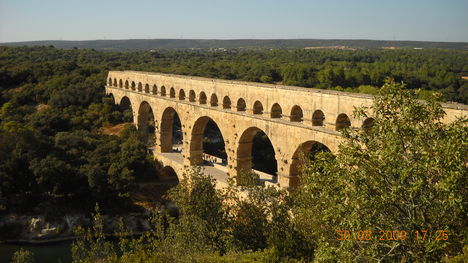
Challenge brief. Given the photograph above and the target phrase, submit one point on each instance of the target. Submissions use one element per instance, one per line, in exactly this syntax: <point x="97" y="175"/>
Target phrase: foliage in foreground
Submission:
<point x="23" y="256"/>
<point x="213" y="226"/>
<point x="407" y="173"/>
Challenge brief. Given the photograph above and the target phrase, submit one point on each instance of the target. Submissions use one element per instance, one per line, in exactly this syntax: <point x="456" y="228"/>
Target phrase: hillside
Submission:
<point x="149" y="44"/>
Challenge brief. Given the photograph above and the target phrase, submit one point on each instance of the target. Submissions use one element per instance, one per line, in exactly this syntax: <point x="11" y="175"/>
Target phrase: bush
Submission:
<point x="407" y="173"/>
<point x="23" y="256"/>
<point x="248" y="178"/>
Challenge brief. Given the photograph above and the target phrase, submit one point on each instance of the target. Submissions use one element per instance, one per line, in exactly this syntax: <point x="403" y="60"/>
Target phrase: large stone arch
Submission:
<point x="112" y="96"/>
<point x="197" y="137"/>
<point x="166" y="132"/>
<point x="244" y="153"/>
<point x="169" y="174"/>
<point x="302" y="151"/>
<point x="146" y="122"/>
<point x="125" y="103"/>
<point x="126" y="106"/>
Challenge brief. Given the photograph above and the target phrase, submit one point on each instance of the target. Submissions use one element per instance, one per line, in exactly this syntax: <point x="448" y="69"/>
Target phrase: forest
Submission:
<point x="54" y="157"/>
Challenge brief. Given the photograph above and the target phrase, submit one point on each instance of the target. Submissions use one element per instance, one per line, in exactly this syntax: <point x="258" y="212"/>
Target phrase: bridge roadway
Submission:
<point x="294" y="119"/>
<point x="219" y="172"/>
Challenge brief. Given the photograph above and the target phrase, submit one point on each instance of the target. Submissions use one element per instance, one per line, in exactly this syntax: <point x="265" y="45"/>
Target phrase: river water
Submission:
<point x="43" y="253"/>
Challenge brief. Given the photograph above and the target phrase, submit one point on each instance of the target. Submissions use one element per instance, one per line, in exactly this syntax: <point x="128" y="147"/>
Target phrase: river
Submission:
<point x="43" y="253"/>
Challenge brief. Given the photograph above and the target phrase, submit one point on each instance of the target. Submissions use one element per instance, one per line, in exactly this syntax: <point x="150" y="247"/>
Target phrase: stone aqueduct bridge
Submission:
<point x="293" y="118"/>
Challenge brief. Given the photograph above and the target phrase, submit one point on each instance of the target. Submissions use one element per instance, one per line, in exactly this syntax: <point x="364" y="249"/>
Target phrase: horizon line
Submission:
<point x="232" y="39"/>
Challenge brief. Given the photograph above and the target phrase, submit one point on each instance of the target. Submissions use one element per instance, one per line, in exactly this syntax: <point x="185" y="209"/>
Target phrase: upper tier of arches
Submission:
<point x="332" y="110"/>
<point x="297" y="115"/>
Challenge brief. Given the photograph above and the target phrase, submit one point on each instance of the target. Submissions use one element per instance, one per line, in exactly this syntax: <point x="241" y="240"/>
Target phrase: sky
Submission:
<point x="428" y="20"/>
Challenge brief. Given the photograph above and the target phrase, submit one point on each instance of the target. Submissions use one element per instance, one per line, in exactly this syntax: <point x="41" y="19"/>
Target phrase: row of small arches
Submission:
<point x="296" y="115"/>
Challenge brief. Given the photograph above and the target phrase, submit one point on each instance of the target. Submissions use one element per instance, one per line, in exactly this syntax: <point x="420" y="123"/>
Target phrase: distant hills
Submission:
<point x="155" y="44"/>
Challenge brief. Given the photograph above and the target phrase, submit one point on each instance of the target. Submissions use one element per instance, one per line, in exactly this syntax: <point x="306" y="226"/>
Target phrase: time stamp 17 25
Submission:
<point x="392" y="235"/>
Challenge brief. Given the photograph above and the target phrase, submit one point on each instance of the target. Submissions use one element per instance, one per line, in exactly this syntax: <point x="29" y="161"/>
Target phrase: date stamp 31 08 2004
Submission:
<point x="392" y="235"/>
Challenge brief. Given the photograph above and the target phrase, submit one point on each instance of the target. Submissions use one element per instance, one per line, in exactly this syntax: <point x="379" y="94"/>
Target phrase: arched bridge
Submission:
<point x="294" y="119"/>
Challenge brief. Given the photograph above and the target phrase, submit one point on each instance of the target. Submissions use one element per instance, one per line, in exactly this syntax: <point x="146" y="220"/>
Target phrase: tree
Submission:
<point x="200" y="203"/>
<point x="23" y="256"/>
<point x="403" y="181"/>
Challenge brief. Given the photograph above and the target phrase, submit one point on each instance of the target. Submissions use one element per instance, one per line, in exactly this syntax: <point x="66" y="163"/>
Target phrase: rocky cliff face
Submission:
<point x="36" y="229"/>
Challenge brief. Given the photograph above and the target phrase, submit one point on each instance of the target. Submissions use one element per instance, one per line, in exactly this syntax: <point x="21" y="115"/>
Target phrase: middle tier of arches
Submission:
<point x="237" y="131"/>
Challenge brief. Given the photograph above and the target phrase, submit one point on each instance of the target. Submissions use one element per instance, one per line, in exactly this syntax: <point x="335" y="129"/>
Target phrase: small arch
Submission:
<point x="192" y="96"/>
<point x="155" y="90"/>
<point x="226" y="102"/>
<point x="115" y="82"/>
<point x="202" y="98"/>
<point x="147" y="88"/>
<point x="133" y="85"/>
<point x="214" y="100"/>
<point x="110" y="81"/>
<point x="276" y="111"/>
<point x="296" y="114"/>
<point x="342" y="122"/>
<point x="368" y="123"/>
<point x="181" y="94"/>
<point x="257" y="107"/>
<point x="163" y="91"/>
<point x="126" y="84"/>
<point x="120" y="83"/>
<point x="317" y="118"/>
<point x="172" y="93"/>
<point x="140" y="86"/>
<point x="241" y="106"/>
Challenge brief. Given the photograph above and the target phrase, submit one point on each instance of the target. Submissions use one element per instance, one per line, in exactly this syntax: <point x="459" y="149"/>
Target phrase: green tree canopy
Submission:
<point x="407" y="173"/>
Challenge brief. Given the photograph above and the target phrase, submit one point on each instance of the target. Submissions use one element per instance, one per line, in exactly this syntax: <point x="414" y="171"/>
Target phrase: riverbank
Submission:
<point x="37" y="229"/>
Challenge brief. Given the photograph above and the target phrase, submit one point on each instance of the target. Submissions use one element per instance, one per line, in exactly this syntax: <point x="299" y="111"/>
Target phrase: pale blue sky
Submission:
<point x="432" y="20"/>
